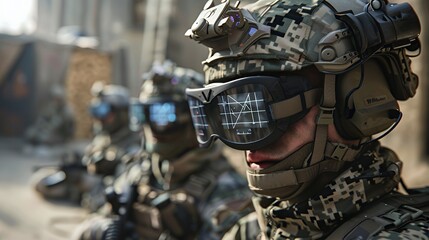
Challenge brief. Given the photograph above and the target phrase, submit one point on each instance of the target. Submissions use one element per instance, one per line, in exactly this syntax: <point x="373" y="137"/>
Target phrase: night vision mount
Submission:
<point x="225" y="27"/>
<point x="380" y="27"/>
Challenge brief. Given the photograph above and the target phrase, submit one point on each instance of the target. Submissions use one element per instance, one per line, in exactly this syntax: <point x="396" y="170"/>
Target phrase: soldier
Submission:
<point x="175" y="190"/>
<point x="114" y="144"/>
<point x="113" y="140"/>
<point x="308" y="88"/>
<point x="82" y="176"/>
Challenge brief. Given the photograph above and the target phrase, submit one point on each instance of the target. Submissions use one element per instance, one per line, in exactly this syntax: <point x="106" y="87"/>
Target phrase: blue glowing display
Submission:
<point x="163" y="113"/>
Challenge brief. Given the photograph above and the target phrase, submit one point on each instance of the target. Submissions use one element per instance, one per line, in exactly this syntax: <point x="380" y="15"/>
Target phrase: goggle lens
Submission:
<point x="100" y="110"/>
<point x="161" y="116"/>
<point x="244" y="114"/>
<point x="251" y="112"/>
<point x="199" y="119"/>
<point x="238" y="115"/>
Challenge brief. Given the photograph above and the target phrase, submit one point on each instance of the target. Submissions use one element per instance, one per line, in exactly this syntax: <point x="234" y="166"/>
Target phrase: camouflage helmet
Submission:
<point x="116" y="95"/>
<point x="109" y="106"/>
<point x="290" y="42"/>
<point x="168" y="81"/>
<point x="278" y="36"/>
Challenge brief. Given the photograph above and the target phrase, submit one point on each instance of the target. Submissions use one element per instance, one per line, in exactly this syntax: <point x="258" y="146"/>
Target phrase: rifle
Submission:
<point x="122" y="206"/>
<point x="69" y="161"/>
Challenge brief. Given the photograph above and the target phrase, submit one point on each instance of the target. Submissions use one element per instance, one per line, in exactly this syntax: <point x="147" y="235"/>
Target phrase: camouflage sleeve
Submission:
<point x="228" y="202"/>
<point x="418" y="229"/>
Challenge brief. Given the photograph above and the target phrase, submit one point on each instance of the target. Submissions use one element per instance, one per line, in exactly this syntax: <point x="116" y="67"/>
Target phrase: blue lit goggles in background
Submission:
<point x="250" y="112"/>
<point x="162" y="116"/>
<point x="100" y="109"/>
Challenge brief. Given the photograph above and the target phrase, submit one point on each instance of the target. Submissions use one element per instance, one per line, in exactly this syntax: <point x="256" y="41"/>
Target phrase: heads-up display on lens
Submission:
<point x="162" y="113"/>
<point x="100" y="109"/>
<point x="199" y="119"/>
<point x="246" y="113"/>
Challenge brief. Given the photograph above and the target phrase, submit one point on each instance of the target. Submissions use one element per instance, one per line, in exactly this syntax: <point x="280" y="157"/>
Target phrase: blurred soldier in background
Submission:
<point x="174" y="189"/>
<point x="114" y="143"/>
<point x="113" y="140"/>
<point x="54" y="123"/>
<point x="304" y="86"/>
<point x="82" y="176"/>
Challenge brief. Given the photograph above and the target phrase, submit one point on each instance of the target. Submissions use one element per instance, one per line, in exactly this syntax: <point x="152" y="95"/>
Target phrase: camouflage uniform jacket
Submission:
<point x="361" y="203"/>
<point x="105" y="151"/>
<point x="201" y="198"/>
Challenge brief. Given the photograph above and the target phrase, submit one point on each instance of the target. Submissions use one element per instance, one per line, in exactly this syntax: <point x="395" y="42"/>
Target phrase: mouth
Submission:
<point x="258" y="160"/>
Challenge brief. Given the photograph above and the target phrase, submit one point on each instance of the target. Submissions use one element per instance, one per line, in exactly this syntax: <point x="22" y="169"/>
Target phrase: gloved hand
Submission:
<point x="173" y="216"/>
<point x="103" y="161"/>
<point x="95" y="228"/>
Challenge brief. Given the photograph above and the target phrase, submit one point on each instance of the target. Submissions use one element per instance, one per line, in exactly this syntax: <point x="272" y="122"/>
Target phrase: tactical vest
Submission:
<point x="105" y="152"/>
<point x="390" y="213"/>
<point x="175" y="214"/>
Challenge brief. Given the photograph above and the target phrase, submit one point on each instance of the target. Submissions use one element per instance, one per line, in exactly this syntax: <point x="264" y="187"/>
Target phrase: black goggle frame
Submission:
<point x="271" y="97"/>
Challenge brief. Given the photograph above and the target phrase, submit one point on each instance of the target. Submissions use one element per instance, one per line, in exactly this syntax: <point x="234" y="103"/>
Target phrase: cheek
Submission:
<point x="304" y="130"/>
<point x="298" y="134"/>
<point x="334" y="136"/>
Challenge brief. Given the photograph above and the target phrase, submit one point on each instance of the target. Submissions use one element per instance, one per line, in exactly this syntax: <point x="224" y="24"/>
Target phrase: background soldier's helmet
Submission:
<point x="166" y="110"/>
<point x="109" y="106"/>
<point x="167" y="81"/>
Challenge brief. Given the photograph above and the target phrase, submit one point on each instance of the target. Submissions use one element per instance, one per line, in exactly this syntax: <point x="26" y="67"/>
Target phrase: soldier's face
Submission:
<point x="297" y="135"/>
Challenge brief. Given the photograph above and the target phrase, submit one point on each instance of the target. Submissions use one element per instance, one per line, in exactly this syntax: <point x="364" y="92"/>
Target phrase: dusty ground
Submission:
<point x="25" y="215"/>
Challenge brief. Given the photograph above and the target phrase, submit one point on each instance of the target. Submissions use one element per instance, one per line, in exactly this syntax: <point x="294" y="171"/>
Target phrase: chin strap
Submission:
<point x="325" y="117"/>
<point x="334" y="157"/>
<point x="315" y="158"/>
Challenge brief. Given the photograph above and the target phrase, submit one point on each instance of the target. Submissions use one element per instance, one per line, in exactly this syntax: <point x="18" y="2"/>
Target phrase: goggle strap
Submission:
<point x="296" y="104"/>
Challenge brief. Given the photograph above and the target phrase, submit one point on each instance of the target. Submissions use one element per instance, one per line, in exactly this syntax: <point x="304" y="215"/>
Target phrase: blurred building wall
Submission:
<point x="17" y="84"/>
<point x="86" y="67"/>
<point x="136" y="32"/>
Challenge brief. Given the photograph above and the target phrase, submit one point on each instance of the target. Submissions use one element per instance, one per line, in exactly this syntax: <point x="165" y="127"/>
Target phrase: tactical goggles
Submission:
<point x="250" y="112"/>
<point x="162" y="116"/>
<point x="100" y="109"/>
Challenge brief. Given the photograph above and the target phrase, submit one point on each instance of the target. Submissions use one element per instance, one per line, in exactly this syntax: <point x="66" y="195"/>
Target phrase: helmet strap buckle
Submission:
<point x="324" y="118"/>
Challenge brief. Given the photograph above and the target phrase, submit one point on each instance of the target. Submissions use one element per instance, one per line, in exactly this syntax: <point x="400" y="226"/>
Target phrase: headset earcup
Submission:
<point x="342" y="114"/>
<point x="341" y="125"/>
<point x="365" y="111"/>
